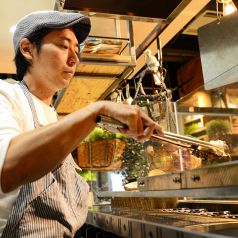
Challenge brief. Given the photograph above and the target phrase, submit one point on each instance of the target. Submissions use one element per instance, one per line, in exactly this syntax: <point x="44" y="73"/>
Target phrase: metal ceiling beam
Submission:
<point x="159" y="28"/>
<point x="178" y="19"/>
<point x="177" y="24"/>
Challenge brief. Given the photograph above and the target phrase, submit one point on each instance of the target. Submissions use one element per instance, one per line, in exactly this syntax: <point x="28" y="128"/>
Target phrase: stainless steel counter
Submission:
<point x="162" y="223"/>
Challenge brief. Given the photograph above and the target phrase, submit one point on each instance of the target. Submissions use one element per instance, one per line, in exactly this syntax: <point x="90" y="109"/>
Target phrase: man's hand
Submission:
<point x="138" y="124"/>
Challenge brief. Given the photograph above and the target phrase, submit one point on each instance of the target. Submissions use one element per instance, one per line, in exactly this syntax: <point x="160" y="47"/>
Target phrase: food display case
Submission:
<point x="184" y="193"/>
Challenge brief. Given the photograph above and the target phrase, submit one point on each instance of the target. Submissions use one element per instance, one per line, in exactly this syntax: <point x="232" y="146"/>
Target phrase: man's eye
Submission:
<point x="64" y="46"/>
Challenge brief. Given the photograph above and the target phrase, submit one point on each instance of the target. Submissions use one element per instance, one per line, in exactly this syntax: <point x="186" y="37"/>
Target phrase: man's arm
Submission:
<point x="33" y="154"/>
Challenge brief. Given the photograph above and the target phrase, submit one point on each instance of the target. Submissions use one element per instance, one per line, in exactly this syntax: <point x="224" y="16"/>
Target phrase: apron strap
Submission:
<point x="31" y="103"/>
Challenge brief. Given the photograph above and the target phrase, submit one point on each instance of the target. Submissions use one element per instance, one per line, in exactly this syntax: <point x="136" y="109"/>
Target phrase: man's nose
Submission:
<point x="73" y="58"/>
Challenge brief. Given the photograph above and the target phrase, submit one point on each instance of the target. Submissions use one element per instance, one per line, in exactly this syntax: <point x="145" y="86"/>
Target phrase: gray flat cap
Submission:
<point x="36" y="21"/>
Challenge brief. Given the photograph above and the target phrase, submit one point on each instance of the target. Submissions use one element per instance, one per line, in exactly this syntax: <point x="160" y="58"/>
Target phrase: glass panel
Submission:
<point x="211" y="115"/>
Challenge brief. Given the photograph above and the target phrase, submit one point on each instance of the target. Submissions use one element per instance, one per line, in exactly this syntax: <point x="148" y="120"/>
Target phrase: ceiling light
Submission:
<point x="228" y="6"/>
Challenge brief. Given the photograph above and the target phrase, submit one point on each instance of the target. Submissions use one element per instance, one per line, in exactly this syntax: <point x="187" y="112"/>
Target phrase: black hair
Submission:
<point x="22" y="65"/>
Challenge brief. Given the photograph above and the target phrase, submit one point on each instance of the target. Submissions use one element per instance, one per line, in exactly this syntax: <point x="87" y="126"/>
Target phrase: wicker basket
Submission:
<point x="101" y="155"/>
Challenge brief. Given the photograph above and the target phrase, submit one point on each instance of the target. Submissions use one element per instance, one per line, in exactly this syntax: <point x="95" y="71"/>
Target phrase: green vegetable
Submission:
<point x="119" y="136"/>
<point x="218" y="129"/>
<point x="88" y="175"/>
<point x="100" y="134"/>
<point x="190" y="128"/>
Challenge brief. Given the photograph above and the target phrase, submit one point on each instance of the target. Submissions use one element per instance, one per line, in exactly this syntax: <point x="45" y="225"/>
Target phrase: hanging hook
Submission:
<point x="218" y="14"/>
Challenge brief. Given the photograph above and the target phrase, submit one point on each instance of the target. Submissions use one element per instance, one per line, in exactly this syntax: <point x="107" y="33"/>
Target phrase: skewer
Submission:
<point x="191" y="140"/>
<point x="169" y="137"/>
<point x="171" y="141"/>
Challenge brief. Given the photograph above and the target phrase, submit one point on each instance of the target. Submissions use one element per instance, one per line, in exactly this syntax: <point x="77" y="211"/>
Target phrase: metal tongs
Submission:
<point x="172" y="138"/>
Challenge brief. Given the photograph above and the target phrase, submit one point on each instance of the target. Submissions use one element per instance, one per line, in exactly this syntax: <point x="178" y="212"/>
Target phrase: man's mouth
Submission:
<point x="69" y="73"/>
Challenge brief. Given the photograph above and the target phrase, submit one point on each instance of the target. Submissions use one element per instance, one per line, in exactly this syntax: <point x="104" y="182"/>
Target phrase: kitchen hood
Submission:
<point x="219" y="50"/>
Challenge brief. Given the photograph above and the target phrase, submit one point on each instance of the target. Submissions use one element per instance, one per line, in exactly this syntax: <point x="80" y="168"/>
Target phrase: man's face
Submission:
<point x="56" y="62"/>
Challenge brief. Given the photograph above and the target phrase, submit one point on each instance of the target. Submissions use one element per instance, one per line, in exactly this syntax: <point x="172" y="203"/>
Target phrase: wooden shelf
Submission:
<point x="208" y="111"/>
<point x="115" y="58"/>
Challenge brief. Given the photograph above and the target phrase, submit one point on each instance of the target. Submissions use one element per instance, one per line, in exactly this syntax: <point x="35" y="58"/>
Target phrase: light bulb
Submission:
<point x="12" y="29"/>
<point x="229" y="8"/>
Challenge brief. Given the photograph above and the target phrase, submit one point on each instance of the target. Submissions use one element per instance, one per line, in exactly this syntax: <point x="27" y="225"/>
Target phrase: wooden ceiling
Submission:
<point x="145" y="9"/>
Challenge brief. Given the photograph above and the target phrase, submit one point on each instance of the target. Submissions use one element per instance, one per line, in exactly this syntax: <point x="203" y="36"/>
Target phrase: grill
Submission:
<point x="155" y="210"/>
<point x="164" y="223"/>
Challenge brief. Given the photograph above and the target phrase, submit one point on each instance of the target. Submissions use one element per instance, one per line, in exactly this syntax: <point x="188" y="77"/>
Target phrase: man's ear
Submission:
<point x="26" y="48"/>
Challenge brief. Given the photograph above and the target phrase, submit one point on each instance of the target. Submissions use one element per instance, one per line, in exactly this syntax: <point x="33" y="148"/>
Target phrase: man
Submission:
<point x="41" y="194"/>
